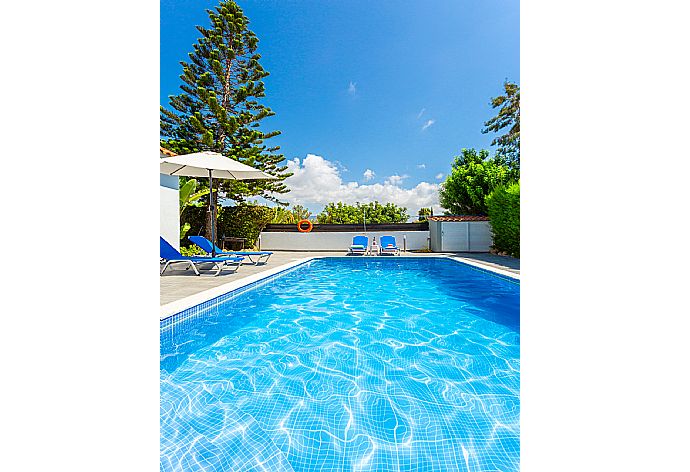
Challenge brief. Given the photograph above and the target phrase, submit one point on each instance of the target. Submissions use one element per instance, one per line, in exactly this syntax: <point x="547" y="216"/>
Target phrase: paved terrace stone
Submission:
<point x="178" y="284"/>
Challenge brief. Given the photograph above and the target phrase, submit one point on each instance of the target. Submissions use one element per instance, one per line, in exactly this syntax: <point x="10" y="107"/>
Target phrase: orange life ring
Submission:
<point x="309" y="227"/>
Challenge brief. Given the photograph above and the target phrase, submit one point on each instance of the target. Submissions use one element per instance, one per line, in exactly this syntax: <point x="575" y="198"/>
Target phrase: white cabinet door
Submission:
<point x="454" y="236"/>
<point x="480" y="236"/>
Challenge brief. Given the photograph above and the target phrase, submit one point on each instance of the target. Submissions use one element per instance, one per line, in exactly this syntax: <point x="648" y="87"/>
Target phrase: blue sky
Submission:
<point x="373" y="98"/>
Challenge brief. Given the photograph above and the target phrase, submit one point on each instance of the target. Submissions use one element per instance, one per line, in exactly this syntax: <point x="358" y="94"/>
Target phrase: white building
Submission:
<point x="170" y="205"/>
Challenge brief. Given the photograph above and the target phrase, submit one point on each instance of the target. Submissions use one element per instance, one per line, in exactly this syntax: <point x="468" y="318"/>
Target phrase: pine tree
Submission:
<point x="508" y="117"/>
<point x="219" y="109"/>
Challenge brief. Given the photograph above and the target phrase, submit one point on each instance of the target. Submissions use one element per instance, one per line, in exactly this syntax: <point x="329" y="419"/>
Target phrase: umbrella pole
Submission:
<point x="213" y="216"/>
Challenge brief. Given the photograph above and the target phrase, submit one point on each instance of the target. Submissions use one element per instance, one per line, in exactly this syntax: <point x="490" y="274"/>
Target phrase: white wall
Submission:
<point x="335" y="241"/>
<point x="170" y="210"/>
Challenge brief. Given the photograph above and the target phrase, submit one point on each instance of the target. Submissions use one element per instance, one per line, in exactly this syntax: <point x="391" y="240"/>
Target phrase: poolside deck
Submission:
<point x="175" y="285"/>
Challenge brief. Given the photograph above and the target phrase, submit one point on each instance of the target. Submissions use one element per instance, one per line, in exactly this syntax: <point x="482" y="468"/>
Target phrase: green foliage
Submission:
<point x="473" y="176"/>
<point x="504" y="214"/>
<point x="341" y="213"/>
<point x="219" y="110"/>
<point x="300" y="213"/>
<point x="186" y="190"/>
<point x="424" y="213"/>
<point x="184" y="229"/>
<point x="244" y="221"/>
<point x="195" y="218"/>
<point x="180" y="146"/>
<point x="282" y="215"/>
<point x="192" y="250"/>
<point x="241" y="221"/>
<point x="188" y="197"/>
<point x="508" y="117"/>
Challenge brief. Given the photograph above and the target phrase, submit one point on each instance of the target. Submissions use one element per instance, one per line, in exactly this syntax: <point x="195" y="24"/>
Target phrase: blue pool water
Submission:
<point x="381" y="364"/>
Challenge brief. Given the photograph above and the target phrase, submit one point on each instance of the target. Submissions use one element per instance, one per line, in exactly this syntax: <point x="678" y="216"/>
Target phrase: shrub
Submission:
<point x="192" y="250"/>
<point x="241" y="221"/>
<point x="244" y="221"/>
<point x="504" y="214"/>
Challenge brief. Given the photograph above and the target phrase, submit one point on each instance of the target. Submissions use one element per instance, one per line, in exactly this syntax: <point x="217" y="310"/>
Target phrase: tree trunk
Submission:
<point x="207" y="229"/>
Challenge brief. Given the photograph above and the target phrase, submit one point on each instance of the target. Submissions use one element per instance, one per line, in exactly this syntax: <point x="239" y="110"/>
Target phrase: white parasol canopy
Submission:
<point x="210" y="164"/>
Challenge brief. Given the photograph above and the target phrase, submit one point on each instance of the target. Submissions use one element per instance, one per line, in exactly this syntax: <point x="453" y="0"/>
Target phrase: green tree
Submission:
<point x="508" y="117"/>
<point x="300" y="213"/>
<point x="424" y="213"/>
<point x="218" y="109"/>
<point x="282" y="215"/>
<point x="342" y="213"/>
<point x="473" y="176"/>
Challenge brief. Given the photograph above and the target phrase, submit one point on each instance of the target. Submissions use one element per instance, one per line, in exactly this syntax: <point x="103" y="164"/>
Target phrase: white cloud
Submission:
<point x="439" y="176"/>
<point x="427" y="124"/>
<point x="352" y="88"/>
<point x="369" y="175"/>
<point x="317" y="181"/>
<point x="395" y="179"/>
<point x="421" y="112"/>
<point x="421" y="166"/>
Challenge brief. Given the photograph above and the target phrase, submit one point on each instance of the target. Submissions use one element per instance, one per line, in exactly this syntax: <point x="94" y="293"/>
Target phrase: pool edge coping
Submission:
<point x="479" y="265"/>
<point x="170" y="309"/>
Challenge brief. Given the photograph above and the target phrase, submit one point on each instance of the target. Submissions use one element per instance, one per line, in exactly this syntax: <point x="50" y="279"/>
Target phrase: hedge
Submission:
<point x="242" y="221"/>
<point x="503" y="205"/>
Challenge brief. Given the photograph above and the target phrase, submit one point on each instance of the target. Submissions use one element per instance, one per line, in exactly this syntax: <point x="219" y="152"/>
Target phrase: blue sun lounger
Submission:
<point x="170" y="255"/>
<point x="207" y="246"/>
<point x="388" y="246"/>
<point x="359" y="245"/>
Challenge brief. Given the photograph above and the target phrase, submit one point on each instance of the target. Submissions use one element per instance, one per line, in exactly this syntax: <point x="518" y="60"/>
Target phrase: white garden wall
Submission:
<point x="170" y="210"/>
<point x="327" y="241"/>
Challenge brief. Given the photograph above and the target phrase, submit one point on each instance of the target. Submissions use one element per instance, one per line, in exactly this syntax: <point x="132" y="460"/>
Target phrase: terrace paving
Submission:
<point x="178" y="284"/>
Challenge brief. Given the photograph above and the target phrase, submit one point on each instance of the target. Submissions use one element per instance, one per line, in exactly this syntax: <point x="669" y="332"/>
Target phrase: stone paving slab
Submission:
<point x="177" y="284"/>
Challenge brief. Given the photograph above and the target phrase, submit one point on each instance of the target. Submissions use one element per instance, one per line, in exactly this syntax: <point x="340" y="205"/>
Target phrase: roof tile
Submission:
<point x="458" y="218"/>
<point x="167" y="152"/>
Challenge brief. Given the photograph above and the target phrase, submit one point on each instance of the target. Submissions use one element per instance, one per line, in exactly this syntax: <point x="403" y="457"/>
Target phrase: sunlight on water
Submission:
<point x="348" y="364"/>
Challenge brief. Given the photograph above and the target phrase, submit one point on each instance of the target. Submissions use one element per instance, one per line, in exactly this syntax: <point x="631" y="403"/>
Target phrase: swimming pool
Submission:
<point x="383" y="364"/>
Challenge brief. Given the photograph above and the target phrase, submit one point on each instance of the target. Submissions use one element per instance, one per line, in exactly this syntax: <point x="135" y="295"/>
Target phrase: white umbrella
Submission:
<point x="210" y="164"/>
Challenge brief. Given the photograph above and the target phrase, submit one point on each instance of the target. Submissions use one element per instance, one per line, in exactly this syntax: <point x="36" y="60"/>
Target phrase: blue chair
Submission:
<point x="388" y="246"/>
<point x="170" y="255"/>
<point x="359" y="245"/>
<point x="208" y="246"/>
